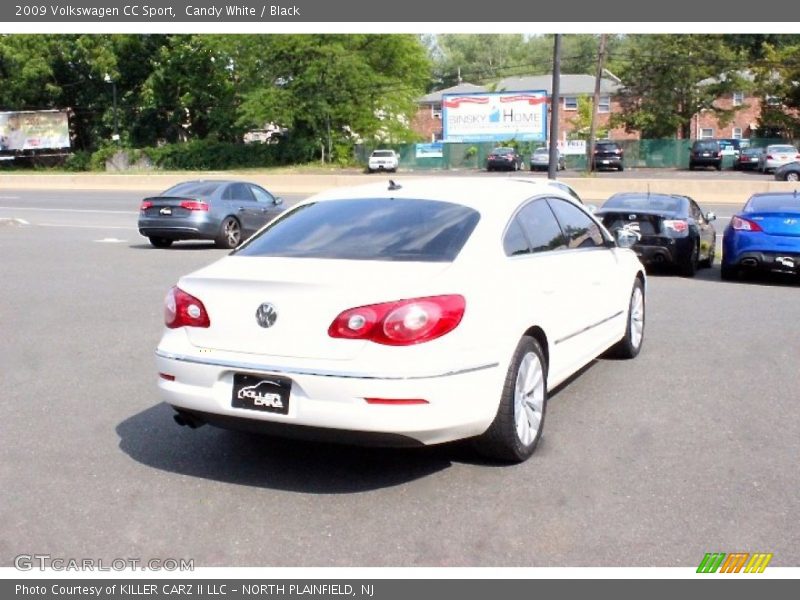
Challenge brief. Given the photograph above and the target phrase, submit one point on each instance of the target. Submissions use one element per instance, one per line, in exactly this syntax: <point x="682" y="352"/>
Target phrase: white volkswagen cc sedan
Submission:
<point x="404" y="314"/>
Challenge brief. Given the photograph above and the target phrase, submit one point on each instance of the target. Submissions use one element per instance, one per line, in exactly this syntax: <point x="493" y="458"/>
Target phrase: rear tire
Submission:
<point x="160" y="242"/>
<point x="792" y="176"/>
<point x="631" y="343"/>
<point x="517" y="427"/>
<point x="230" y="234"/>
<point x="621" y="168"/>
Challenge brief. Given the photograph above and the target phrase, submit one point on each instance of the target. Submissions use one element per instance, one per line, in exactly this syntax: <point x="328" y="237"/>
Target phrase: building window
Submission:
<point x="570" y="103"/>
<point x="737" y="133"/>
<point x="604" y="106"/>
<point x="738" y="98"/>
<point x="436" y="111"/>
<point x="706" y="133"/>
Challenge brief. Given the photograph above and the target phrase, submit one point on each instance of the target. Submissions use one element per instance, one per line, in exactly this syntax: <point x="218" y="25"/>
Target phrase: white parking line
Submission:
<point x="72" y="210"/>
<point x="85" y="226"/>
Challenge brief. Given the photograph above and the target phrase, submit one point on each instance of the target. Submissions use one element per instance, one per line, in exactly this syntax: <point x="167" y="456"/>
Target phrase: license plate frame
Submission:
<point x="262" y="393"/>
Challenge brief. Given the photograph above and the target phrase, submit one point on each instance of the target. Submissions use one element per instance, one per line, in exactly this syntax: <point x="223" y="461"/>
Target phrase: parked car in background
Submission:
<point x="383" y="160"/>
<point x="747" y="159"/>
<point x="224" y="211"/>
<point x="673" y="229"/>
<point x="421" y="327"/>
<point x="705" y="153"/>
<point x="540" y="160"/>
<point x="763" y="236"/>
<point x="608" y="155"/>
<point x="776" y="156"/>
<point x="504" y="158"/>
<point x="788" y="172"/>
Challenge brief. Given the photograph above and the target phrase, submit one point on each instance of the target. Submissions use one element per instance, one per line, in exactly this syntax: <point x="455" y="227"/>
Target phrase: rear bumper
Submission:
<point x="607" y="162"/>
<point x="500" y="164"/>
<point x="666" y="252"/>
<point x="460" y="403"/>
<point x="761" y="251"/>
<point x="705" y="161"/>
<point x="181" y="229"/>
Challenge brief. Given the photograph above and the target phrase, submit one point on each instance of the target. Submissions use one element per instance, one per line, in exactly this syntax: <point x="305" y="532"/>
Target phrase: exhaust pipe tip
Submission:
<point x="185" y="419"/>
<point x="749" y="262"/>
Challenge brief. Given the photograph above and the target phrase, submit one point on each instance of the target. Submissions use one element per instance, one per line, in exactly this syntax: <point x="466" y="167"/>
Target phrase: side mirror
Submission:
<point x="710" y="216"/>
<point x="626" y="238"/>
<point x="277" y="201"/>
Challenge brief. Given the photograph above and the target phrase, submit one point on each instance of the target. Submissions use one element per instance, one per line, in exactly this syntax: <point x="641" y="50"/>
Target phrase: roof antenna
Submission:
<point x="394" y="186"/>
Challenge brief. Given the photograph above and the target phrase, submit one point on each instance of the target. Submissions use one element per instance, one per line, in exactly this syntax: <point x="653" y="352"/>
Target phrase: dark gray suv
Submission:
<point x="705" y="153"/>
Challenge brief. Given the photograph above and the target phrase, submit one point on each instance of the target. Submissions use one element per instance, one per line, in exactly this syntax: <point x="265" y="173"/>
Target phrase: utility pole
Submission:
<point x="601" y="58"/>
<point x="552" y="166"/>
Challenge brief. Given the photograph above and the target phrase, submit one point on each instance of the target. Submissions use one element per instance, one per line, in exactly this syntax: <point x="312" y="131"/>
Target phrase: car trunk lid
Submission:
<point x="174" y="207"/>
<point x="306" y="294"/>
<point x="777" y="223"/>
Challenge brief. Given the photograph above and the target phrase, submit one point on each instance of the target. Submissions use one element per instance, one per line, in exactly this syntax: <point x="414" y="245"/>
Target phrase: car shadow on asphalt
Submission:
<point x="152" y="438"/>
<point x="759" y="279"/>
<point x="177" y="247"/>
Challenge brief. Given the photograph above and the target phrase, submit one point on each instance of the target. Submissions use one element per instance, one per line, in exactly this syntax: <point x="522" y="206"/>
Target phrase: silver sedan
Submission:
<point x="776" y="156"/>
<point x="540" y="160"/>
<point x="226" y="212"/>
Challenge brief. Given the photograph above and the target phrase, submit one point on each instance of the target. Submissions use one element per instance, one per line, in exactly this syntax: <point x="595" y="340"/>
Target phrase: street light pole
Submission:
<point x="113" y="83"/>
<point x="552" y="167"/>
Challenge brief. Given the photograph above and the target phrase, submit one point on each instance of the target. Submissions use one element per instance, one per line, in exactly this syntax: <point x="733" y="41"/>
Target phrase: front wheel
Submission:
<point x="792" y="176"/>
<point x="630" y="345"/>
<point x="517" y="427"/>
<point x="230" y="234"/>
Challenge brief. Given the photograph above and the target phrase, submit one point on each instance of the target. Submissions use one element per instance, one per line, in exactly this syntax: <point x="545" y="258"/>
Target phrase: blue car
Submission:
<point x="764" y="236"/>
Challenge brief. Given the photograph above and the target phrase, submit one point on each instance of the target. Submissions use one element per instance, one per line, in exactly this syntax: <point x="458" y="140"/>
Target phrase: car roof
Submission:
<point x="484" y="194"/>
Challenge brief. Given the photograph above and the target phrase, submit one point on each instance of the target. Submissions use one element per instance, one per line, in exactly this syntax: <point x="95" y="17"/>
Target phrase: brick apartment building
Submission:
<point x="428" y="120"/>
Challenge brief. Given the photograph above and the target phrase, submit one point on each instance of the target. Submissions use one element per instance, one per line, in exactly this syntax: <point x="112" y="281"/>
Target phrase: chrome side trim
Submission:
<point x="262" y="368"/>
<point x="585" y="329"/>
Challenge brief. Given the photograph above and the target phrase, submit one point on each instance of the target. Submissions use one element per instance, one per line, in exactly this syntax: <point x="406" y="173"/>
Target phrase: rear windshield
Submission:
<point x="782" y="203"/>
<point x="706" y="145"/>
<point x="661" y="203"/>
<point x="541" y="151"/>
<point x="193" y="188"/>
<point x="503" y="151"/>
<point x="605" y="147"/>
<point x="782" y="149"/>
<point x="369" y="229"/>
<point x="383" y="153"/>
<point x="751" y="151"/>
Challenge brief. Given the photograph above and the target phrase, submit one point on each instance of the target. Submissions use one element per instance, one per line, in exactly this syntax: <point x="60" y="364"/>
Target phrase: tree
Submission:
<point x="670" y="78"/>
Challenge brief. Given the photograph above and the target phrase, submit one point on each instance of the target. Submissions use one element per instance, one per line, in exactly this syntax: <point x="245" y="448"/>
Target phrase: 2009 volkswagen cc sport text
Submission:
<point x="409" y="314"/>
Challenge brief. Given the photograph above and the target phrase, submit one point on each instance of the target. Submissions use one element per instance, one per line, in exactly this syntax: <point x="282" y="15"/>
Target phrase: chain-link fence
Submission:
<point x="667" y="154"/>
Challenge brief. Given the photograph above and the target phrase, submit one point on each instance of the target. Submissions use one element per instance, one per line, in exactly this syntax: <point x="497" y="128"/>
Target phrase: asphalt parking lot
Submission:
<point x="690" y="448"/>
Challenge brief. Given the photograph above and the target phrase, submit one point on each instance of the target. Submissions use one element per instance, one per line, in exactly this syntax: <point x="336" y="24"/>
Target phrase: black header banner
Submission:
<point x="407" y="11"/>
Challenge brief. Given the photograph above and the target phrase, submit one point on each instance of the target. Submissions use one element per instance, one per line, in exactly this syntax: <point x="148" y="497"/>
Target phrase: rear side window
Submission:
<point x="579" y="229"/>
<point x="369" y="229"/>
<point x="192" y="188"/>
<point x="541" y="227"/>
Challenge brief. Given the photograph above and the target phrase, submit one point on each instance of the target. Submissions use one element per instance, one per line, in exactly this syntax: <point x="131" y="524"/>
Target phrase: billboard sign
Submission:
<point x="434" y="150"/>
<point x="34" y="130"/>
<point x="495" y="117"/>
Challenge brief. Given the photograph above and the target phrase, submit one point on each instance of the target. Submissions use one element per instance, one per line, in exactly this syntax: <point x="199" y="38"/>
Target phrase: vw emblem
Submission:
<point x="266" y="315"/>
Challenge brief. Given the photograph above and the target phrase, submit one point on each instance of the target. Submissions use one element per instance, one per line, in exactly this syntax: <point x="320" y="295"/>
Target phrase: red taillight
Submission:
<point x="184" y="310"/>
<point x="396" y="401"/>
<point x="167" y="376"/>
<point x="618" y="152"/>
<point x="400" y="323"/>
<point x="676" y="226"/>
<point x="194" y="205"/>
<point x="740" y="224"/>
<point x="145" y="205"/>
<point x="769" y="157"/>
